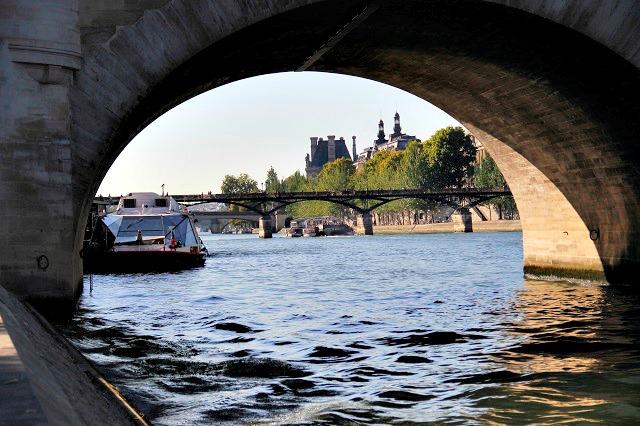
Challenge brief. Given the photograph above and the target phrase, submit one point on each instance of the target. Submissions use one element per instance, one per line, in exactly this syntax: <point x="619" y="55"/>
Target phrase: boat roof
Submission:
<point x="146" y="203"/>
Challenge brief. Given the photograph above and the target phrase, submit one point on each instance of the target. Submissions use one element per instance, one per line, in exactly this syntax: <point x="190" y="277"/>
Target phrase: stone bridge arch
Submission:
<point x="218" y="223"/>
<point x="548" y="87"/>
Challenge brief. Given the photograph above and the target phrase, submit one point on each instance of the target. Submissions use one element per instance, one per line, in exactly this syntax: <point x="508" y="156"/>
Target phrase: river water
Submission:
<point x="383" y="329"/>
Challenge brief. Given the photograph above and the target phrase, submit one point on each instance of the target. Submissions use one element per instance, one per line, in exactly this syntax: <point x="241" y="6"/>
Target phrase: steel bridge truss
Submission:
<point x="267" y="203"/>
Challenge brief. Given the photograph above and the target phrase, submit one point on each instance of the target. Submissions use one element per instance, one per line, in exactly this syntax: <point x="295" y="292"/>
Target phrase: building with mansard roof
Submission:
<point x="325" y="151"/>
<point x="397" y="141"/>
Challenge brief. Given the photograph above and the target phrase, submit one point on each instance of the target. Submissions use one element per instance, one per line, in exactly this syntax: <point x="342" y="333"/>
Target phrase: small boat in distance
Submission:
<point x="318" y="227"/>
<point x="147" y="232"/>
<point x="295" y="230"/>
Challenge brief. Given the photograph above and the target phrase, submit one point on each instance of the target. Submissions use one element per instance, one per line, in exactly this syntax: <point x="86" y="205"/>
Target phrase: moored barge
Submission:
<point x="147" y="232"/>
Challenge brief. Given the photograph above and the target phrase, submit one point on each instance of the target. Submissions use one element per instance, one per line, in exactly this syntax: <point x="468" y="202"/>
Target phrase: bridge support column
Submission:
<point x="365" y="224"/>
<point x="281" y="218"/>
<point x="265" y="229"/>
<point x="39" y="254"/>
<point x="216" y="227"/>
<point x="462" y="221"/>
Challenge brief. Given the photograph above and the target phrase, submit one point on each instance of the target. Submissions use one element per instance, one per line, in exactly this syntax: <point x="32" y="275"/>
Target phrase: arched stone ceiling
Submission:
<point x="558" y="100"/>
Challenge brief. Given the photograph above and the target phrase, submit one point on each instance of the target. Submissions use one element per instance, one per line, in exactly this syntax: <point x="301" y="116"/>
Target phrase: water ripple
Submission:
<point x="388" y="329"/>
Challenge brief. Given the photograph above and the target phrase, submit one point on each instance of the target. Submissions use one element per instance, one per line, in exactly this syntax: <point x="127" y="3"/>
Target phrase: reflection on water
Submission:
<point x="581" y="355"/>
<point x="385" y="329"/>
<point x="580" y="361"/>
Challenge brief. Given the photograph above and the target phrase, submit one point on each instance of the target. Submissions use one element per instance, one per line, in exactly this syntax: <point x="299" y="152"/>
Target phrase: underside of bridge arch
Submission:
<point x="556" y="109"/>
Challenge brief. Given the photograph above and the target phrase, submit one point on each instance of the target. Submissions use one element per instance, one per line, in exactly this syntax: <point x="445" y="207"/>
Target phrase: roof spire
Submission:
<point x="381" y="134"/>
<point x="355" y="153"/>
<point x="397" y="130"/>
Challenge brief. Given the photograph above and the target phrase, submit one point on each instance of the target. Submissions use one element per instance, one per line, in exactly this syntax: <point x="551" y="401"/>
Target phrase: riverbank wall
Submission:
<point x="448" y="227"/>
<point x="45" y="380"/>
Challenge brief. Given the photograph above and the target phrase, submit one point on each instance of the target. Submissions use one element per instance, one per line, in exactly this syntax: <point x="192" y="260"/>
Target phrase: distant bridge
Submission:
<point x="217" y="221"/>
<point x="266" y="204"/>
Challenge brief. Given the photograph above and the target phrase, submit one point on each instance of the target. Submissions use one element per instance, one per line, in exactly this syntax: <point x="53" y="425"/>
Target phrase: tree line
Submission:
<point x="445" y="160"/>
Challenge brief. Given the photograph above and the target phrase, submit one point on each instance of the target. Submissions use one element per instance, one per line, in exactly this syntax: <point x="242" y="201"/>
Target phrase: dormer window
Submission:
<point x="129" y="203"/>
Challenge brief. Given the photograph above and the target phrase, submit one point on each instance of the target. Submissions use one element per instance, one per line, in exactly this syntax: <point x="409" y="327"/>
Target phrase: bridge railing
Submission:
<point x="404" y="193"/>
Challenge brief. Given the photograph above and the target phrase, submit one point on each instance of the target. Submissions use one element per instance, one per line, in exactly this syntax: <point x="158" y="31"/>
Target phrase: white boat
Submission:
<point x="147" y="232"/>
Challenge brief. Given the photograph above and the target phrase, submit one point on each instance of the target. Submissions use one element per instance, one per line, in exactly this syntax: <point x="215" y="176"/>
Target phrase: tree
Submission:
<point x="272" y="183"/>
<point x="416" y="174"/>
<point x="382" y="171"/>
<point x="450" y="154"/>
<point x="415" y="166"/>
<point x="488" y="175"/>
<point x="336" y="175"/>
<point x="241" y="184"/>
<point x="295" y="183"/>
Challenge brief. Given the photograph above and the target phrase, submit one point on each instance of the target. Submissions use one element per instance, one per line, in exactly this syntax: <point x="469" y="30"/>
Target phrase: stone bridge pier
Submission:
<point x="364" y="223"/>
<point x="550" y="89"/>
<point x="265" y="227"/>
<point x="462" y="220"/>
<point x="40" y="54"/>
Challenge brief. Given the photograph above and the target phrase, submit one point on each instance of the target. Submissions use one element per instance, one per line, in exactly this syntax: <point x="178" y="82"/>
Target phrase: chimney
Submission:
<point x="355" y="152"/>
<point x="331" y="150"/>
<point x="314" y="144"/>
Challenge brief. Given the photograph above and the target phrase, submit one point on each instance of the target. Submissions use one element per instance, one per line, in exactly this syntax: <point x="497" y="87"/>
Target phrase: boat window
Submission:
<point x="178" y="225"/>
<point x="190" y="237"/>
<point x="129" y="203"/>
<point x="149" y="223"/>
<point x="161" y="202"/>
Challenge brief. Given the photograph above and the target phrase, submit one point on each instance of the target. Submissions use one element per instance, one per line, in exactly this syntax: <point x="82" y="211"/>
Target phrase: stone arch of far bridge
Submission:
<point x="554" y="107"/>
<point x="251" y="222"/>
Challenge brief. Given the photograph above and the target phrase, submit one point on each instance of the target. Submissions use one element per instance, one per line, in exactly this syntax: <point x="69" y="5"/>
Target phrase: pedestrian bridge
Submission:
<point x="263" y="207"/>
<point x="266" y="204"/>
<point x="549" y="88"/>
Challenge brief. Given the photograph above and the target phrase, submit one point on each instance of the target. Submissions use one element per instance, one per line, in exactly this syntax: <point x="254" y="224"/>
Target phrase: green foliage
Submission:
<point x="238" y="185"/>
<point x="295" y="183"/>
<point x="416" y="174"/>
<point x="450" y="153"/>
<point x="415" y="166"/>
<point x="382" y="171"/>
<point x="272" y="183"/>
<point x="298" y="183"/>
<point x="314" y="208"/>
<point x="487" y="174"/>
<point x="336" y="175"/>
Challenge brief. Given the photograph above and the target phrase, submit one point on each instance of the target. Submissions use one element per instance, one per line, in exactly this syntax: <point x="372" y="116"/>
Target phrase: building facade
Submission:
<point x="397" y="141"/>
<point x="325" y="151"/>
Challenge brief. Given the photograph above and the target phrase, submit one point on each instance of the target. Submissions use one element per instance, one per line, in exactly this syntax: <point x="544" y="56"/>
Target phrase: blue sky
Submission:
<point x="253" y="124"/>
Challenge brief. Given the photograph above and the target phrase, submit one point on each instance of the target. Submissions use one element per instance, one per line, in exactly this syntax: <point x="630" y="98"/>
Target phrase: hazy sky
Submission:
<point x="251" y="125"/>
